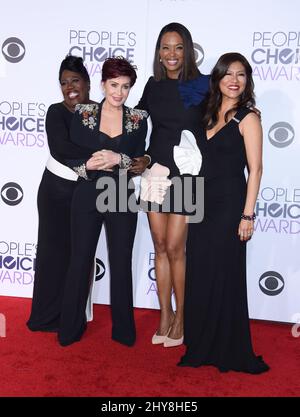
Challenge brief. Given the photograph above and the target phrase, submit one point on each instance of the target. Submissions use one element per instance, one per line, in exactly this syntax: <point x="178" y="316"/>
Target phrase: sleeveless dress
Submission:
<point x="173" y="106"/>
<point x="216" y="320"/>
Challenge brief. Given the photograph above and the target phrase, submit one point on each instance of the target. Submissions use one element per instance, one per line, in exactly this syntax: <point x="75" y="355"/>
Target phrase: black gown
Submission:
<point x="173" y="106"/>
<point x="216" y="322"/>
<point x="54" y="207"/>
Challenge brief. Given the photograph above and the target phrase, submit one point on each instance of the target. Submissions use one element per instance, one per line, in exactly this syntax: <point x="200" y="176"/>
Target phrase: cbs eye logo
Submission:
<point x="100" y="269"/>
<point x="271" y="283"/>
<point x="13" y="50"/>
<point x="12" y="194"/>
<point x="281" y="134"/>
<point x="199" y="54"/>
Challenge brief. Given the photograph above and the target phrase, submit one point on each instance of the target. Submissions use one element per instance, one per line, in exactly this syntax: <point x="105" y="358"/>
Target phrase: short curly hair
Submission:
<point x="75" y="64"/>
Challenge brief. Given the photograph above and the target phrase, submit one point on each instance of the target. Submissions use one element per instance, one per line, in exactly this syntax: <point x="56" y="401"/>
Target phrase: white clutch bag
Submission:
<point x="187" y="155"/>
<point x="154" y="183"/>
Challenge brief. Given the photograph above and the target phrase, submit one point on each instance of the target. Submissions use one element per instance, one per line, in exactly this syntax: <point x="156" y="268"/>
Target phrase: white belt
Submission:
<point x="60" y="170"/>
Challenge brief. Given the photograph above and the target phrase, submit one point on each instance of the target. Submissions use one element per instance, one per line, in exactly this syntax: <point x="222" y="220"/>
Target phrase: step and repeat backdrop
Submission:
<point x="35" y="37"/>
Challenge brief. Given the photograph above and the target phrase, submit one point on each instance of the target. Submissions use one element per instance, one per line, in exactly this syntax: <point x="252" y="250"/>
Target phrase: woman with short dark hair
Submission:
<point x="173" y="98"/>
<point x="54" y="198"/>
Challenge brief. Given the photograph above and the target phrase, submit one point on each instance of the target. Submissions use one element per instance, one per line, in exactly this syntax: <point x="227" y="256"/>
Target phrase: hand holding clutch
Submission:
<point x="154" y="183"/>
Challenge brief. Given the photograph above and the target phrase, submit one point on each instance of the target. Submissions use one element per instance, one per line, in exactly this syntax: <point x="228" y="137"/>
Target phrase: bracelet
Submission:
<point x="149" y="157"/>
<point x="81" y="171"/>
<point x="250" y="218"/>
<point x="125" y="162"/>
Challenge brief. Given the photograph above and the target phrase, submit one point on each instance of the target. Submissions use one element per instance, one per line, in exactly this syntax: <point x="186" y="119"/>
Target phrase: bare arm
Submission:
<point x="251" y="129"/>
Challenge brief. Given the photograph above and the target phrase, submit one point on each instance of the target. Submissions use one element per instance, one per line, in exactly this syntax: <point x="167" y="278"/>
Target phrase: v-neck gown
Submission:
<point x="216" y="322"/>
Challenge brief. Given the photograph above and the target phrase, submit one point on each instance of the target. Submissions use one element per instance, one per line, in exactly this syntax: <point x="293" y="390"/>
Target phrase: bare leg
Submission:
<point x="158" y="225"/>
<point x="175" y="247"/>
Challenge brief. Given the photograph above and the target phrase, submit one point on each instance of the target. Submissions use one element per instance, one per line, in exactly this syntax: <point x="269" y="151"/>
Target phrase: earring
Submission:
<point x="160" y="60"/>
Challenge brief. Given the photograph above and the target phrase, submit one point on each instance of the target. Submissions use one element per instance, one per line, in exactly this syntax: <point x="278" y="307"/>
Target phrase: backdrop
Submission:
<point x="35" y="37"/>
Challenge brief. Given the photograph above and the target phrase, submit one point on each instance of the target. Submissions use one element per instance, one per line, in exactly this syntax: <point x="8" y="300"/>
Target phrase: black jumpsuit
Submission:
<point x="54" y="207"/>
<point x="86" y="224"/>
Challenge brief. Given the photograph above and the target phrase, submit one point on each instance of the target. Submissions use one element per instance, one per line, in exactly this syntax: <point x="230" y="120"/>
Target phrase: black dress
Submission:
<point x="86" y="223"/>
<point x="216" y="322"/>
<point x="173" y="106"/>
<point x="54" y="205"/>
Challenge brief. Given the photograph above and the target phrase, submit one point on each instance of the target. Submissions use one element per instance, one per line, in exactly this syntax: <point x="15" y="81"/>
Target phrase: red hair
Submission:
<point x="117" y="67"/>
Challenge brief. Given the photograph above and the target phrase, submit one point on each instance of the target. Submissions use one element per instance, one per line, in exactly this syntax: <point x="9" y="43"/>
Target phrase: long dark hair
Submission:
<point x="75" y="64"/>
<point x="214" y="101"/>
<point x="189" y="68"/>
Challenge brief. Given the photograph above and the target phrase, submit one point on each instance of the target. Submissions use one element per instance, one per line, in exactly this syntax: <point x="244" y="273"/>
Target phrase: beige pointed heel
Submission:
<point x="172" y="342"/>
<point x="159" y="340"/>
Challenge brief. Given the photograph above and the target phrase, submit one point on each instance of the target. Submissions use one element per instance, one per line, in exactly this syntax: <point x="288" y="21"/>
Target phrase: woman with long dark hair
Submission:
<point x="172" y="97"/>
<point x="217" y="330"/>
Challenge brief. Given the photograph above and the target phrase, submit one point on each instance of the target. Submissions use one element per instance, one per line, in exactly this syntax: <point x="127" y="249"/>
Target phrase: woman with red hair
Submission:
<point x="119" y="132"/>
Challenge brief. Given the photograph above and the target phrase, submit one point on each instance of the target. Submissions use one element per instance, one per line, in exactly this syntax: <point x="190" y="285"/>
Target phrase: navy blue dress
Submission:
<point x="173" y="106"/>
<point x="54" y="231"/>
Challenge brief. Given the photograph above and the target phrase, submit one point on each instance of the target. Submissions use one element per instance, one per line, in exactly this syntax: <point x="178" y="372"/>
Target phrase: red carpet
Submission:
<point x="34" y="365"/>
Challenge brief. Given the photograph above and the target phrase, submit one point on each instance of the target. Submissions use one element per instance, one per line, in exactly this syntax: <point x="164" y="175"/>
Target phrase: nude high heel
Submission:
<point x="159" y="340"/>
<point x="169" y="342"/>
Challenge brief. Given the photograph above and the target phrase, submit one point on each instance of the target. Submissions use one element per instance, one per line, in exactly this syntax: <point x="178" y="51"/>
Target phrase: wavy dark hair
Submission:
<point x="75" y="64"/>
<point x="214" y="101"/>
<point x="189" y="68"/>
<point x="117" y="67"/>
